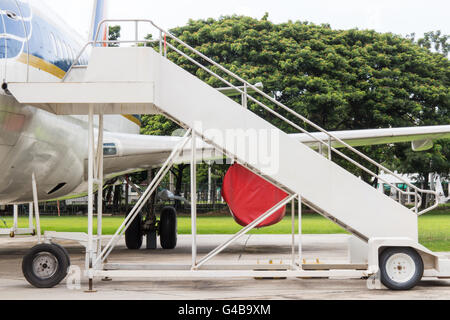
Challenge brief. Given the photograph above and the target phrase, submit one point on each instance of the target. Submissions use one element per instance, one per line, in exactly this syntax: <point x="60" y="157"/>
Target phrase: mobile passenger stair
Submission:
<point x="142" y="80"/>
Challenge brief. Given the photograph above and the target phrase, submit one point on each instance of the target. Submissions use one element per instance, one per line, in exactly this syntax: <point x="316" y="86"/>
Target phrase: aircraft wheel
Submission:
<point x="168" y="228"/>
<point x="400" y="268"/>
<point x="133" y="235"/>
<point x="45" y="265"/>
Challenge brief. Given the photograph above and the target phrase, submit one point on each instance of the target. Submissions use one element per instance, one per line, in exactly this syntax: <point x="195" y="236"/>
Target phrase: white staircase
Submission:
<point x="138" y="80"/>
<point x="157" y="82"/>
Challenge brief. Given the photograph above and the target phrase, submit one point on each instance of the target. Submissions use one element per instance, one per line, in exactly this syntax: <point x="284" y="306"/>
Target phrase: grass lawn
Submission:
<point x="434" y="227"/>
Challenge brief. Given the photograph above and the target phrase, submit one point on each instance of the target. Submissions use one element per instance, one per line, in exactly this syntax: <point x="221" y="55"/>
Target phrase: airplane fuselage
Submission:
<point x="36" y="46"/>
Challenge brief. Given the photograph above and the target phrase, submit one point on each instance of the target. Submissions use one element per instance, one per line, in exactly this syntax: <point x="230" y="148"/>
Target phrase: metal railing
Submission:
<point x="242" y="87"/>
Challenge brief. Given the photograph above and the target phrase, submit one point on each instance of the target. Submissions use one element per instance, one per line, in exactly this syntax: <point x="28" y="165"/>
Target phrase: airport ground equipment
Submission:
<point x="15" y="230"/>
<point x="140" y="80"/>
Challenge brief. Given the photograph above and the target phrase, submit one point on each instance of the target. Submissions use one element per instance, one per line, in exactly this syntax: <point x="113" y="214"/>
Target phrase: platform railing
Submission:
<point x="242" y="87"/>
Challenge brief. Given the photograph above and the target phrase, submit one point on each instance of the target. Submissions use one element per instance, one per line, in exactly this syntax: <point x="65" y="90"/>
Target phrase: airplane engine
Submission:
<point x="249" y="196"/>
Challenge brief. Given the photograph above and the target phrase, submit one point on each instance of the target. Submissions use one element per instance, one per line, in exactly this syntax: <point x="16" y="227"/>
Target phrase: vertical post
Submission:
<point x="171" y="182"/>
<point x="448" y="188"/>
<point x="160" y="43"/>
<point x="209" y="182"/>
<point x="136" y="35"/>
<point x="300" y="263"/>
<point x="194" y="199"/>
<point x="408" y="196"/>
<point x="329" y="148"/>
<point x="293" y="232"/>
<point x="416" y="198"/>
<point x="100" y="183"/>
<point x="89" y="250"/>
<point x="15" y="218"/>
<point x="30" y="215"/>
<point x="244" y="97"/>
<point x="36" y="207"/>
<point x="165" y="45"/>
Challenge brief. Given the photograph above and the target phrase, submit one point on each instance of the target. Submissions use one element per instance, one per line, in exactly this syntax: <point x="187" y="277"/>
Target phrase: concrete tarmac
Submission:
<point x="249" y="249"/>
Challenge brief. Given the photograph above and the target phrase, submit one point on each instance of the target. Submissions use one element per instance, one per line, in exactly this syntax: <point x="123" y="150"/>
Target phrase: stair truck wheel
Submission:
<point x="134" y="235"/>
<point x="400" y="268"/>
<point x="66" y="253"/>
<point x="168" y="228"/>
<point x="45" y="265"/>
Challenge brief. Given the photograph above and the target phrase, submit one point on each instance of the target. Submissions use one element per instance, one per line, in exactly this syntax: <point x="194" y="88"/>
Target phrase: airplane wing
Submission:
<point x="421" y="138"/>
<point x="129" y="152"/>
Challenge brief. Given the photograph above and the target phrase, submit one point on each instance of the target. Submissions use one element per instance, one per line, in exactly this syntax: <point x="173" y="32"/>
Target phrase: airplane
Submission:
<point x="37" y="45"/>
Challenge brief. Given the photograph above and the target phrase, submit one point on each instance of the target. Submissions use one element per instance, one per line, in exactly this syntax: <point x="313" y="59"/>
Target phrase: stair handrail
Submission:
<point x="331" y="137"/>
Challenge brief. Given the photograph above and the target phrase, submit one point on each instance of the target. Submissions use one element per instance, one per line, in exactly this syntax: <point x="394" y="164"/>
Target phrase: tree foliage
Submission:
<point x="339" y="79"/>
<point x="114" y="34"/>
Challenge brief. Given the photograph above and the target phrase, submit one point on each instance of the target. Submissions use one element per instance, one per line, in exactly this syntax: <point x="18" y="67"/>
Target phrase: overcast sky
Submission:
<point x="397" y="16"/>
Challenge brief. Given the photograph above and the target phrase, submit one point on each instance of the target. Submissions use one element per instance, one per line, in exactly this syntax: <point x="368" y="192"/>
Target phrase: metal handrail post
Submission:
<point x="329" y="149"/>
<point x="160" y="43"/>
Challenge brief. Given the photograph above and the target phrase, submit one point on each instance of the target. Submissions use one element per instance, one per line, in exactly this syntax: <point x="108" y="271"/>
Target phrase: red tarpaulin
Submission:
<point x="249" y="196"/>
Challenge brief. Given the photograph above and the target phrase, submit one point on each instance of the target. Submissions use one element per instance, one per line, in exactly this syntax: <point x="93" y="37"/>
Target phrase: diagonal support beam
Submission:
<point x="243" y="231"/>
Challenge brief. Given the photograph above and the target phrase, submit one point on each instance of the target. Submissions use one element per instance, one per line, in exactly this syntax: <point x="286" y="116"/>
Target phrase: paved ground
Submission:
<point x="255" y="248"/>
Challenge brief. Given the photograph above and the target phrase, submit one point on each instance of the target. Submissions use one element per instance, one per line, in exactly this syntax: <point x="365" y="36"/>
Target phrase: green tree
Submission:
<point x="340" y="79"/>
<point x="434" y="40"/>
<point x="114" y="35"/>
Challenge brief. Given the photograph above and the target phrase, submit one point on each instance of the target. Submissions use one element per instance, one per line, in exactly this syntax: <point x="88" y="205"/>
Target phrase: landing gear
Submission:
<point x="45" y="265"/>
<point x="134" y="235"/>
<point x="168" y="228"/>
<point x="400" y="268"/>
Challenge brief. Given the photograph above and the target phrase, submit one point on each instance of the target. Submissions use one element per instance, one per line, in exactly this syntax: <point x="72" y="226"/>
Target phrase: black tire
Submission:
<point x="416" y="272"/>
<point x="66" y="253"/>
<point x="168" y="228"/>
<point x="134" y="235"/>
<point x="45" y="265"/>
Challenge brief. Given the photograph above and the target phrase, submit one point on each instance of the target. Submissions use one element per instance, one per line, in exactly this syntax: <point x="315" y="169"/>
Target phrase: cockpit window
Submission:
<point x="109" y="149"/>
<point x="13" y="29"/>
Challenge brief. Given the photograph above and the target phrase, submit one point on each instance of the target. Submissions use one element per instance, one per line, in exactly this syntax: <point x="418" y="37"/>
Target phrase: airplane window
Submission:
<point x="11" y="15"/>
<point x="109" y="149"/>
<point x="53" y="41"/>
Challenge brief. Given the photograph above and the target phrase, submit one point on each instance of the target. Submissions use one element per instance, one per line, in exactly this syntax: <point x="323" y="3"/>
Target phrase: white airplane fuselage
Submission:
<point x="36" y="46"/>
